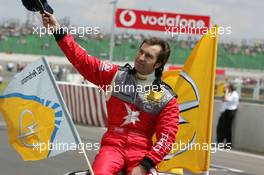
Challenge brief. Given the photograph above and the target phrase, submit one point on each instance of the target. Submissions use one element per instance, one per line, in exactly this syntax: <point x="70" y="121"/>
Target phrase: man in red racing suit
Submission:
<point x="139" y="104"/>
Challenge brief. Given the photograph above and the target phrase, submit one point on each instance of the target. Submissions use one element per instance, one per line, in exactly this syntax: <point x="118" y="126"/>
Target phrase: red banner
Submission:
<point x="161" y="21"/>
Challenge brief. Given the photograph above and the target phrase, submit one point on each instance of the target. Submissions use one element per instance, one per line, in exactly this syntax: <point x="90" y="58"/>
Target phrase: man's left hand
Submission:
<point x="138" y="170"/>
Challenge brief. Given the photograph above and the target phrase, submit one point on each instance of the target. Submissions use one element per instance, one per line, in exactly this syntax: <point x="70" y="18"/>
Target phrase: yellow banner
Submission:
<point x="195" y="88"/>
<point x="30" y="125"/>
<point x="35" y="114"/>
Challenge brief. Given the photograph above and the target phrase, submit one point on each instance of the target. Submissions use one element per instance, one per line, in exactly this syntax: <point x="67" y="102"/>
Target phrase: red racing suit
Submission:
<point x="133" y="117"/>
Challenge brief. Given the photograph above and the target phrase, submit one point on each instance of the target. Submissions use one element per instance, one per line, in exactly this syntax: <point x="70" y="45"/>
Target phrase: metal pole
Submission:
<point x="112" y="36"/>
<point x="256" y="90"/>
<point x="68" y="118"/>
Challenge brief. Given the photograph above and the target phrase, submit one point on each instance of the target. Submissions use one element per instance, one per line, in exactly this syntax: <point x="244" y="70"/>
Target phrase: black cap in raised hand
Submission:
<point x="37" y="5"/>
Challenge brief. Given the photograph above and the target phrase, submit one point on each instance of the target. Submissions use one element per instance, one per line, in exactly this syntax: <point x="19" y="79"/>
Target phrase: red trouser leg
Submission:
<point x="133" y="158"/>
<point x="109" y="161"/>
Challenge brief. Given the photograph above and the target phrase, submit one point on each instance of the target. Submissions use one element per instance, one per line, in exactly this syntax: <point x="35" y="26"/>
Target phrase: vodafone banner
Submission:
<point x="160" y="21"/>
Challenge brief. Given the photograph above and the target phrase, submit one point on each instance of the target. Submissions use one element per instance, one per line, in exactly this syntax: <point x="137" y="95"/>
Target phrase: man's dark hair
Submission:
<point x="232" y="87"/>
<point x="162" y="57"/>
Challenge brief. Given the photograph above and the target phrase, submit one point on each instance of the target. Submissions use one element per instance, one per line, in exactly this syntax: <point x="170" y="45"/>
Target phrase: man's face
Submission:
<point x="146" y="59"/>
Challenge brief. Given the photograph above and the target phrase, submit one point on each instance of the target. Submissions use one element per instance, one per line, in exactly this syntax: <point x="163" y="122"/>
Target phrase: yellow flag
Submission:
<point x="195" y="88"/>
<point x="36" y="117"/>
<point x="27" y="129"/>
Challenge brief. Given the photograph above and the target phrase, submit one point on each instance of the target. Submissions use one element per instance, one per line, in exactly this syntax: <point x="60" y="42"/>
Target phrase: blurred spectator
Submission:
<point x="228" y="112"/>
<point x="20" y="67"/>
<point x="10" y="66"/>
<point x="45" y="46"/>
<point x="1" y="79"/>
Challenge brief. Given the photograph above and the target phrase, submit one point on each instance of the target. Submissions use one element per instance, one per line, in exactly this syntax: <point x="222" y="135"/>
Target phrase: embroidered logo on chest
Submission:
<point x="155" y="96"/>
<point x="148" y="106"/>
<point x="132" y="116"/>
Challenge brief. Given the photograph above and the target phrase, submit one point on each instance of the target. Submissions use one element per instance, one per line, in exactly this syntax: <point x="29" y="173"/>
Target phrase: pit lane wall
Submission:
<point x="87" y="107"/>
<point x="248" y="126"/>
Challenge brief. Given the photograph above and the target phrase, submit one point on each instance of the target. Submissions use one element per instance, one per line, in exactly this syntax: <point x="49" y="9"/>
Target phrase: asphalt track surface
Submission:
<point x="222" y="162"/>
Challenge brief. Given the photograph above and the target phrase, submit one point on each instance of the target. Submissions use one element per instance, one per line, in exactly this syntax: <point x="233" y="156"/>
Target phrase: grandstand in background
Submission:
<point x="17" y="39"/>
<point x="247" y="58"/>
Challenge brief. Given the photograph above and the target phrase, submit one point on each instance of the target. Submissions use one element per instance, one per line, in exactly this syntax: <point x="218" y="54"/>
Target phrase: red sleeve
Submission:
<point x="91" y="68"/>
<point x="166" y="129"/>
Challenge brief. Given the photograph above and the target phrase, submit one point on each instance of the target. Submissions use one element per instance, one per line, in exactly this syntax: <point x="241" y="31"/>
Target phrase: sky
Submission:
<point x="243" y="16"/>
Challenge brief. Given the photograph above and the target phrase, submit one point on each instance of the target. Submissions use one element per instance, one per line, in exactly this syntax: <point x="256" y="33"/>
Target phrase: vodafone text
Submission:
<point x="172" y="21"/>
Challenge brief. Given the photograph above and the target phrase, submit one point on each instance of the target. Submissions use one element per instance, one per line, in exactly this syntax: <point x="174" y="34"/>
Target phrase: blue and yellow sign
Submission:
<point x="32" y="124"/>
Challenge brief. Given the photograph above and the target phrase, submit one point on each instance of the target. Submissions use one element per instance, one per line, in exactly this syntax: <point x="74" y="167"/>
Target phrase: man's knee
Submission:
<point x="108" y="162"/>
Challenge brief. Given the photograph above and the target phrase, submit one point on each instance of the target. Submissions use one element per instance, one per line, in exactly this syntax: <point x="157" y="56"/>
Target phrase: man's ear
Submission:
<point x="157" y="65"/>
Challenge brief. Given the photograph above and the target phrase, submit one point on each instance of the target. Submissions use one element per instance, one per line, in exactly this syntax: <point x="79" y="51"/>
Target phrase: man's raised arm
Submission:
<point x="93" y="69"/>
